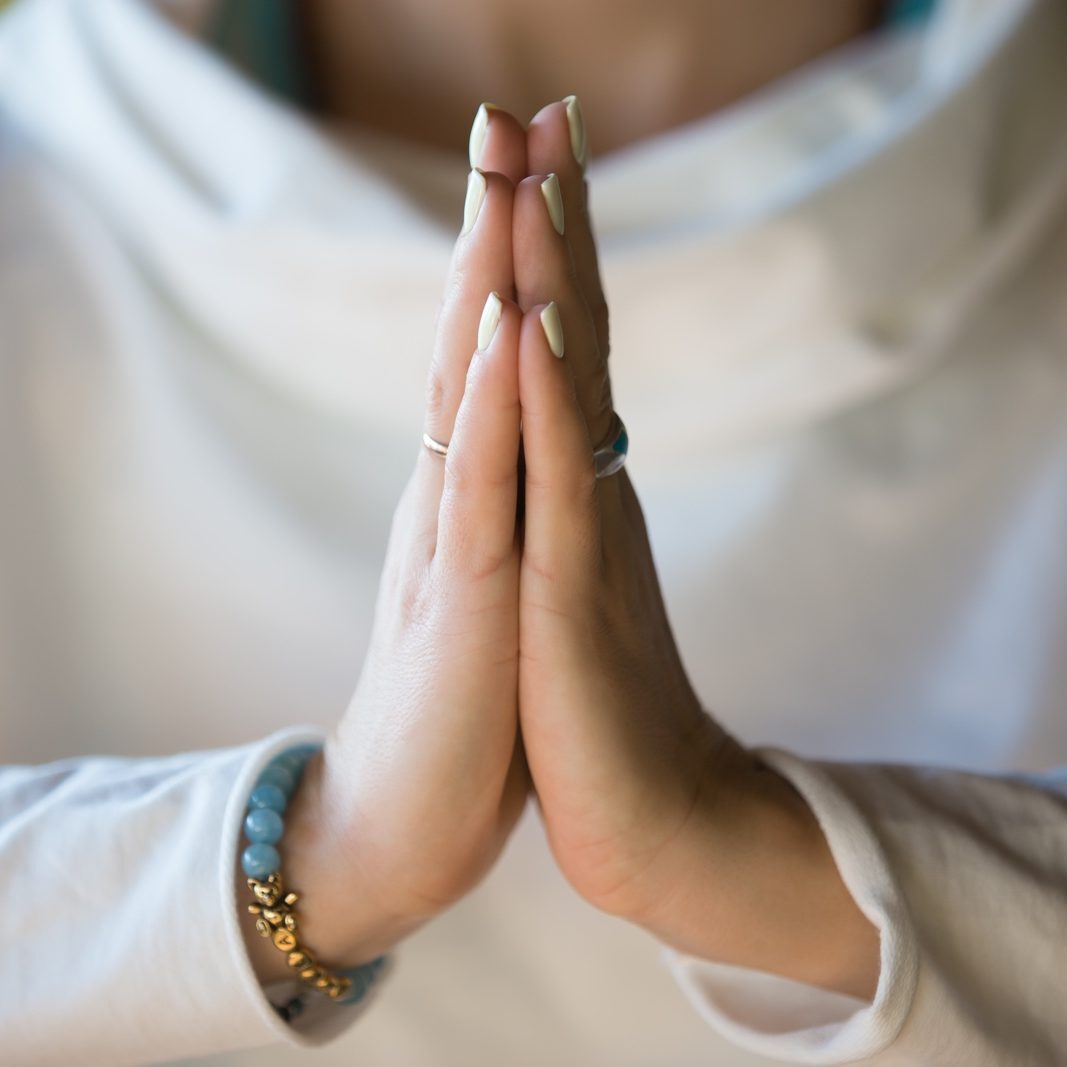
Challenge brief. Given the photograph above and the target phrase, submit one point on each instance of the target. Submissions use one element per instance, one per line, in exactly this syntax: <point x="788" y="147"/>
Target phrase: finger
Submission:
<point x="562" y="522"/>
<point x="476" y="525"/>
<point x="556" y="142"/>
<point x="544" y="272"/>
<point x="498" y="143"/>
<point x="481" y="263"/>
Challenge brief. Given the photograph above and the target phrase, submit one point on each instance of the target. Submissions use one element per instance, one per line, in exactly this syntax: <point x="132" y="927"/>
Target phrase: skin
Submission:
<point x="424" y="777"/>
<point x="419" y="68"/>
<point x="652" y="811"/>
<point x="521" y="640"/>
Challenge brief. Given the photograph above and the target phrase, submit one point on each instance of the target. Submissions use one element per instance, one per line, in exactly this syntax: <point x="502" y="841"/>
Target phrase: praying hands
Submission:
<point x="521" y="643"/>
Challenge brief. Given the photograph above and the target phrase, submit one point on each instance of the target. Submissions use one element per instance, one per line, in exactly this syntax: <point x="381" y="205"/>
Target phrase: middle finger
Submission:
<point x="545" y="272"/>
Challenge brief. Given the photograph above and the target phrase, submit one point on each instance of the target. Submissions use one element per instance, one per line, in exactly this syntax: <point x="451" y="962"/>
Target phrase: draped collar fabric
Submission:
<point x="215" y="320"/>
<point x="810" y="248"/>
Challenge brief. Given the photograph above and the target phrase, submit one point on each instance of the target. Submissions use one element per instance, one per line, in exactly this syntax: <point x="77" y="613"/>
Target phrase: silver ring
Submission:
<point x="437" y="447"/>
<point x="610" y="458"/>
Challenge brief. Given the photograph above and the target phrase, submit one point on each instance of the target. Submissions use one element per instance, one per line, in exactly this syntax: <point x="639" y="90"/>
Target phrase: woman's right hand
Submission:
<point x="420" y="784"/>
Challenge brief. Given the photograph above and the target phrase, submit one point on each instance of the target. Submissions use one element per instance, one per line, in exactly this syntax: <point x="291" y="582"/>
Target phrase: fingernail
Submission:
<point x="479" y="130"/>
<point x="577" y="125"/>
<point x="489" y="322"/>
<point x="553" y="328"/>
<point x="476" y="186"/>
<point x="550" y="191"/>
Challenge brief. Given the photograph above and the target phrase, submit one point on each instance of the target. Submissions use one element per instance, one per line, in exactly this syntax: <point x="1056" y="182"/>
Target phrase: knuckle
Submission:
<point x="576" y="485"/>
<point x="486" y="561"/>
<point x="598" y="308"/>
<point x="564" y="580"/>
<point x="462" y="284"/>
<point x="461" y="476"/>
<point x="583" y="487"/>
<point x="411" y="597"/>
<point x="436" y="394"/>
<point x="598" y="407"/>
<point x="475" y="557"/>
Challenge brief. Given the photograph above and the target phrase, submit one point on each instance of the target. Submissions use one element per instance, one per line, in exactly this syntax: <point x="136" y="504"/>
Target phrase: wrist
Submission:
<point x="752" y="882"/>
<point x="346" y="915"/>
<point x="340" y="919"/>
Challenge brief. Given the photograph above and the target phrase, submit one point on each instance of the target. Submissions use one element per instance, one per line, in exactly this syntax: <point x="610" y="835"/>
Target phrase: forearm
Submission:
<point x="966" y="878"/>
<point x="751" y="882"/>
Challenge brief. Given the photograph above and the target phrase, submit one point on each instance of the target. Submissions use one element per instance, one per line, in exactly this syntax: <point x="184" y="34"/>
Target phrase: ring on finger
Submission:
<point x="438" y="448"/>
<point x="610" y="457"/>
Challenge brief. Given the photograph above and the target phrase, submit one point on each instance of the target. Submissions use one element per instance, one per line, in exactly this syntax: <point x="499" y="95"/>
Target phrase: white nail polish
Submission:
<point x="554" y="201"/>
<point x="553" y="328"/>
<point x="489" y="322"/>
<point x="577" y="124"/>
<point x="476" y="187"/>
<point x="479" y="131"/>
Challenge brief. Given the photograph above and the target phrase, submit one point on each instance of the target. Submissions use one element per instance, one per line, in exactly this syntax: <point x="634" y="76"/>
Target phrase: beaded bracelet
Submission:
<point x="273" y="905"/>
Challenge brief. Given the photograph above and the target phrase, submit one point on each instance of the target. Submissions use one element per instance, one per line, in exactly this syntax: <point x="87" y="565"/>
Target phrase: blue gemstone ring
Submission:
<point x="611" y="457"/>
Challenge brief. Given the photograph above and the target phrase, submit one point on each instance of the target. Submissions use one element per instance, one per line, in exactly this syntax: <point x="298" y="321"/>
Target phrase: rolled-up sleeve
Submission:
<point x="119" y="918"/>
<point x="965" y="877"/>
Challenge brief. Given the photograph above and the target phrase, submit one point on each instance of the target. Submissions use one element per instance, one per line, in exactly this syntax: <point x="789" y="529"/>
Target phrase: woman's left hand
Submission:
<point x="653" y="812"/>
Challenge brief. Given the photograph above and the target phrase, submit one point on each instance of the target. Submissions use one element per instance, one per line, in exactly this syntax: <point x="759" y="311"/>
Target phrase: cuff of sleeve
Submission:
<point x="792" y="1021"/>
<point x="323" y="1020"/>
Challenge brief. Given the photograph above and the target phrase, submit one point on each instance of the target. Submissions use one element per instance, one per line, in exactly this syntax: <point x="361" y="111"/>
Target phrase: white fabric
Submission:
<point x="120" y="894"/>
<point x="839" y="345"/>
<point x="967" y="879"/>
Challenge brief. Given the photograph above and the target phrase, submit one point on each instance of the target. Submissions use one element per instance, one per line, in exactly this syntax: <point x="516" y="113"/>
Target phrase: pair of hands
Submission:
<point x="521" y="636"/>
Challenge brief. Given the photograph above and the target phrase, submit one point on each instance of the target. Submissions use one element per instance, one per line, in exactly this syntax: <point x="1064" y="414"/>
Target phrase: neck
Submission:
<point x="419" y="68"/>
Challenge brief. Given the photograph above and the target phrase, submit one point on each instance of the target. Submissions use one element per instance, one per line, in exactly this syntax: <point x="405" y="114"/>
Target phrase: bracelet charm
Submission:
<point x="273" y="905"/>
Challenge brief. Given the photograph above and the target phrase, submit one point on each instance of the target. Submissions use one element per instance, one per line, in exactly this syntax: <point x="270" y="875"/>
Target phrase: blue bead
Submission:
<point x="264" y="825"/>
<point x="357" y="990"/>
<point x="291" y="761"/>
<point x="279" y="776"/>
<point x="267" y="796"/>
<point x="260" y="860"/>
<point x="362" y="978"/>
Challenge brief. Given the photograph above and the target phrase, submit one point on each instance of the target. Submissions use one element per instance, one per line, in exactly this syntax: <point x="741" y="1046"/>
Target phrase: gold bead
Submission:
<point x="284" y="940"/>
<point x="263" y="892"/>
<point x="275" y="918"/>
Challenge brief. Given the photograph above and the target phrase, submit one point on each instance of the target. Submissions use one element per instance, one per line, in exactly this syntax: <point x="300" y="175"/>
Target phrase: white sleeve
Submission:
<point x="966" y="878"/>
<point x="118" y="914"/>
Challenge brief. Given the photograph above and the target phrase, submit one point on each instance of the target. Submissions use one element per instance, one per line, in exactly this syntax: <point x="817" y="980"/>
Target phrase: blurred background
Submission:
<point x="830" y="240"/>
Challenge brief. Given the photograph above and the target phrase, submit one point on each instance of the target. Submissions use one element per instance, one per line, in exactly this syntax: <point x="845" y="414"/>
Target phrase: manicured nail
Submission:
<point x="479" y="130"/>
<point x="550" y="191"/>
<point x="476" y="187"/>
<point x="489" y="322"/>
<point x="553" y="328"/>
<point x="577" y="125"/>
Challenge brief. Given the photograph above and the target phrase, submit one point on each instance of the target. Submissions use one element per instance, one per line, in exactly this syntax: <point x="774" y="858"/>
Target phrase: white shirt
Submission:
<point x="839" y="345"/>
